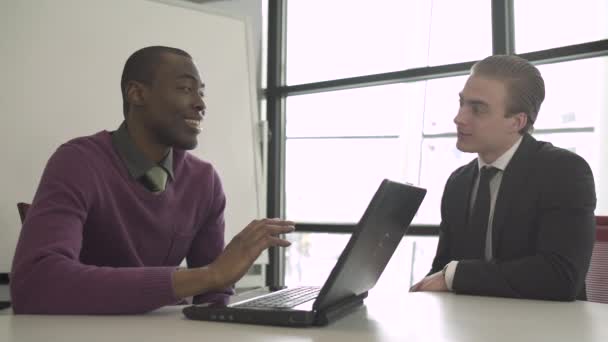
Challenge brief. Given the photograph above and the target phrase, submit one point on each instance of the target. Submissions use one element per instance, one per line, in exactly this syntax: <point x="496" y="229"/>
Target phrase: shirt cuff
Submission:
<point x="450" y="270"/>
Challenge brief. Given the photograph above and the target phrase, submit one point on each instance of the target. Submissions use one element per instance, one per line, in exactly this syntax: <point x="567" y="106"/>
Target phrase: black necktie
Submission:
<point x="481" y="209"/>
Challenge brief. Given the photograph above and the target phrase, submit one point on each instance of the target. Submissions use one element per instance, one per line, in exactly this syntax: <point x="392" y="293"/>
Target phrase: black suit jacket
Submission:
<point x="543" y="227"/>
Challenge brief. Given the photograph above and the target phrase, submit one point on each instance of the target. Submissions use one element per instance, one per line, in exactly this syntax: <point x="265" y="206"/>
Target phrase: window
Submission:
<point x="575" y="94"/>
<point x="440" y="158"/>
<point x="312" y="251"/>
<point x="545" y="24"/>
<point x="340" y="140"/>
<point x="325" y="42"/>
<point x="312" y="256"/>
<point x="396" y="119"/>
<point x="571" y="114"/>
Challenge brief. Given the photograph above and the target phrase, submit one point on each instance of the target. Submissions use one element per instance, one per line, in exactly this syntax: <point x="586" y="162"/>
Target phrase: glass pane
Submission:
<point x="345" y="38"/>
<point x="333" y="180"/>
<point x="372" y="111"/>
<point x="423" y="253"/>
<point x="460" y="31"/>
<point x="440" y="158"/>
<point x="409" y="264"/>
<point x="441" y="104"/>
<point x="545" y="24"/>
<point x="311" y="257"/>
<point x="575" y="93"/>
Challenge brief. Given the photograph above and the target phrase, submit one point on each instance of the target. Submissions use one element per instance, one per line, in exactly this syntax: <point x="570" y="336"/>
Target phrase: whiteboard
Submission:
<point x="61" y="66"/>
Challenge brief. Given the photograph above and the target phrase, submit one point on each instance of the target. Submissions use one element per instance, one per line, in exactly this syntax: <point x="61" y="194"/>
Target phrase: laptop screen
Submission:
<point x="373" y="242"/>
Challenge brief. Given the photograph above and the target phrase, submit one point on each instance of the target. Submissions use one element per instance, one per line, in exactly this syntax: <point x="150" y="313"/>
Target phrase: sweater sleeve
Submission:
<point x="208" y="244"/>
<point x="47" y="276"/>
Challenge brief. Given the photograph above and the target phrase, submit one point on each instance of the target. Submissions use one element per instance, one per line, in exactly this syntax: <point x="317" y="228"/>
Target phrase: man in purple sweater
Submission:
<point x="115" y="213"/>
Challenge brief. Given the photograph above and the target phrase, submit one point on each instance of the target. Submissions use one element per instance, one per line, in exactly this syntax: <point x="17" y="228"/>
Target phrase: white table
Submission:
<point x="412" y="317"/>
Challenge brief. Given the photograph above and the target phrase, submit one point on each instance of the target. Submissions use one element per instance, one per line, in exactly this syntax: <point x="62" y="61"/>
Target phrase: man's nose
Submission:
<point x="200" y="105"/>
<point x="459" y="119"/>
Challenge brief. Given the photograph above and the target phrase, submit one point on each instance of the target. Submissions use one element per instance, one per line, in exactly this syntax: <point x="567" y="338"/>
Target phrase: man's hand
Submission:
<point x="234" y="261"/>
<point x="246" y="247"/>
<point x="434" y="282"/>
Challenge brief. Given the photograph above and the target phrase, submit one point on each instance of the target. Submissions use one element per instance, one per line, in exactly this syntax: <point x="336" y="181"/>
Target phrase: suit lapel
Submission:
<point x="513" y="181"/>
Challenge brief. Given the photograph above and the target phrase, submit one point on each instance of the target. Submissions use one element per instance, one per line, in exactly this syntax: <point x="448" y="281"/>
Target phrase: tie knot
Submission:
<point x="158" y="177"/>
<point x="488" y="172"/>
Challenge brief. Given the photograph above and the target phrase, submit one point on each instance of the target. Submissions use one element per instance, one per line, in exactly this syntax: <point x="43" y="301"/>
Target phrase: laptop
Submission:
<point x="357" y="270"/>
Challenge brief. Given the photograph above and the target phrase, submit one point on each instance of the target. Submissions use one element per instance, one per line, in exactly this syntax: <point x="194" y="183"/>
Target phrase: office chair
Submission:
<point x="22" y="208"/>
<point x="597" y="277"/>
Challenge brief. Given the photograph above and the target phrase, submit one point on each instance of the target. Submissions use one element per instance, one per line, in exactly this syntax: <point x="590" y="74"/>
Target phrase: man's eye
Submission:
<point x="186" y="89"/>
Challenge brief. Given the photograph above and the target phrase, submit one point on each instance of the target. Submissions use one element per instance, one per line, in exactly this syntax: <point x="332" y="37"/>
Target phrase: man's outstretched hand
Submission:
<point x="235" y="260"/>
<point x="246" y="247"/>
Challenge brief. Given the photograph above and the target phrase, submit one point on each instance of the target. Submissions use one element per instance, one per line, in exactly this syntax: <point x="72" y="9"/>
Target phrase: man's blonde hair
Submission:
<point x="524" y="83"/>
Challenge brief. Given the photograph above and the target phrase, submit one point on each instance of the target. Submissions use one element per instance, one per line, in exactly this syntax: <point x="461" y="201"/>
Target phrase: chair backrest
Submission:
<point x="597" y="277"/>
<point x="22" y="208"/>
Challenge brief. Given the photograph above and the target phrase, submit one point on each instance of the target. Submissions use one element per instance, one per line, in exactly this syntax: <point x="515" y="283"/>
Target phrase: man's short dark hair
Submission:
<point x="524" y="83"/>
<point x="141" y="67"/>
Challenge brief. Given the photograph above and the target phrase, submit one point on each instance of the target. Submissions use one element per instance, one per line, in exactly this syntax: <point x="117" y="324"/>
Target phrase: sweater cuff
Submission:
<point x="159" y="285"/>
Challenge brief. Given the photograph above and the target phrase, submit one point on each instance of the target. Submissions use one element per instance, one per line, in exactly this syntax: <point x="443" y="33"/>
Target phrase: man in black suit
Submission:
<point x="518" y="221"/>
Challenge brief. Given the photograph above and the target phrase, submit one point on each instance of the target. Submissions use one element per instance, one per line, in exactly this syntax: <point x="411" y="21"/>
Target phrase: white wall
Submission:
<point x="249" y="9"/>
<point x="61" y="65"/>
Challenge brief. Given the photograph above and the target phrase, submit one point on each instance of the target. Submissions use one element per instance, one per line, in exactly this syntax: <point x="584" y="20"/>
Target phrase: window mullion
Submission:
<point x="503" y="40"/>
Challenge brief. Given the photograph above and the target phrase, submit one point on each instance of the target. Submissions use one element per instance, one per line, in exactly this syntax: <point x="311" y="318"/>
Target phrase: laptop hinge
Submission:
<point x="339" y="309"/>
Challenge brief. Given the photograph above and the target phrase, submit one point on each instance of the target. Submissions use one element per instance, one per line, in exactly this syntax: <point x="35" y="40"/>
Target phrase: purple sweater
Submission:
<point x="95" y="241"/>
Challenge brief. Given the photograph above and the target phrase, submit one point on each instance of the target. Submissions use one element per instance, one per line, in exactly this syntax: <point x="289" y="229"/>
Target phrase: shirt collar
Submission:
<point x="502" y="161"/>
<point x="134" y="159"/>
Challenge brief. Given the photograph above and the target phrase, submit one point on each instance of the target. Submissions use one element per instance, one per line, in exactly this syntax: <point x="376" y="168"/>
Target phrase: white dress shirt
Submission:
<point x="501" y="164"/>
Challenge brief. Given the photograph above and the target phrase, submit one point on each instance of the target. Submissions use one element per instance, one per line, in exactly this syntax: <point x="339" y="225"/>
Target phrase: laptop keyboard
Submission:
<point x="284" y="299"/>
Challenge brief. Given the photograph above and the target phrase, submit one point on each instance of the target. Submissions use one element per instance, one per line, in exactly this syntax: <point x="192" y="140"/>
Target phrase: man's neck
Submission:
<point x="146" y="144"/>
<point x="491" y="156"/>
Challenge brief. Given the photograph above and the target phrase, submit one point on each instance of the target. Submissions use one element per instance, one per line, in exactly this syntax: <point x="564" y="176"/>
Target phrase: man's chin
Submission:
<point x="462" y="147"/>
<point x="186" y="144"/>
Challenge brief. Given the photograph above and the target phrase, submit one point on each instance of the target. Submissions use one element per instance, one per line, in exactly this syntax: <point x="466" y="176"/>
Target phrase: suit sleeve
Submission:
<point x="208" y="244"/>
<point x="566" y="227"/>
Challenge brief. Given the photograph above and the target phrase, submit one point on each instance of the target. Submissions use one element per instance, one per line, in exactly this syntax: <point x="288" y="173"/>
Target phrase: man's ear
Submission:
<point x="136" y="93"/>
<point x="520" y="121"/>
